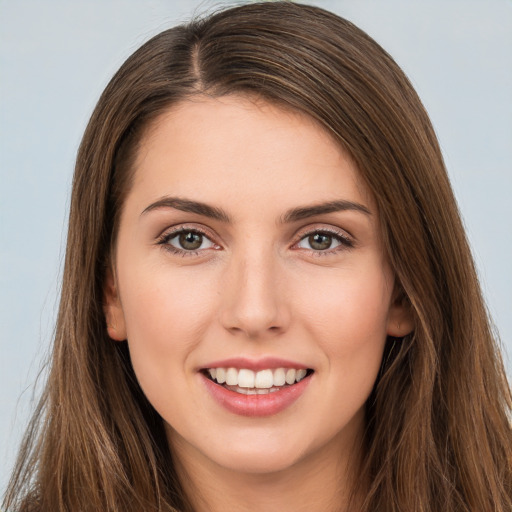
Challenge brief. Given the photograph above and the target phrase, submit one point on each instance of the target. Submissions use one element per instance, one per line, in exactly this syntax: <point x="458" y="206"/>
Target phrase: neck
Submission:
<point x="322" y="482"/>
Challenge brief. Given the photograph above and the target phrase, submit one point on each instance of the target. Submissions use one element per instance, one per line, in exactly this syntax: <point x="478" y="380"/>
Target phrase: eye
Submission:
<point x="320" y="241"/>
<point x="187" y="241"/>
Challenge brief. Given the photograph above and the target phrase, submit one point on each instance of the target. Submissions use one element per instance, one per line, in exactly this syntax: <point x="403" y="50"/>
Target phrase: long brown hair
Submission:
<point x="438" y="434"/>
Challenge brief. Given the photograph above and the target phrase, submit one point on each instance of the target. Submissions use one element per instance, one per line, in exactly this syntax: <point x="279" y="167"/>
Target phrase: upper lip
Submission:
<point x="263" y="363"/>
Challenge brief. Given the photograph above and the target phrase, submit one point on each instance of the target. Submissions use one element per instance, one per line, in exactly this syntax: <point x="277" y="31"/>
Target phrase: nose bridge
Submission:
<point x="253" y="299"/>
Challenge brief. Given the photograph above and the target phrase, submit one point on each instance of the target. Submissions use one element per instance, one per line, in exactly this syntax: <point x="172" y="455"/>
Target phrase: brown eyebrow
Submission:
<point x="305" y="212"/>
<point x="293" y="215"/>
<point x="186" y="205"/>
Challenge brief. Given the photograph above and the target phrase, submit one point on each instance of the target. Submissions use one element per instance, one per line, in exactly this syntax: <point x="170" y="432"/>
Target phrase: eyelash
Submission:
<point x="344" y="241"/>
<point x="164" y="241"/>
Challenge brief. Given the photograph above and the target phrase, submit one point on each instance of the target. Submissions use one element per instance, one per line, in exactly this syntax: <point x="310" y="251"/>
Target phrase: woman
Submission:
<point x="268" y="301"/>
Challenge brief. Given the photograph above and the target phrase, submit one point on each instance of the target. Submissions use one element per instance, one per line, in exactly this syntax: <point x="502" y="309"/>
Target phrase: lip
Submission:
<point x="255" y="405"/>
<point x="255" y="364"/>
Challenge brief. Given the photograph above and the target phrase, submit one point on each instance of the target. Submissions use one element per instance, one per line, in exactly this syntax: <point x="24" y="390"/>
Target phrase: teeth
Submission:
<point x="250" y="382"/>
<point x="264" y="379"/>
<point x="232" y="377"/>
<point x="300" y="375"/>
<point x="290" y="376"/>
<point x="221" y="375"/>
<point x="279" y="377"/>
<point x="245" y="378"/>
<point x="252" y="391"/>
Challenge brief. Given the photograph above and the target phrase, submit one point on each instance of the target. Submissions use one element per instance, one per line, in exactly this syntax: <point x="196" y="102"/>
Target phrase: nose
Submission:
<point x="253" y="297"/>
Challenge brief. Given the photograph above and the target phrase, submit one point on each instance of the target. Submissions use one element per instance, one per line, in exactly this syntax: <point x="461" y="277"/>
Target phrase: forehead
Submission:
<point x="233" y="147"/>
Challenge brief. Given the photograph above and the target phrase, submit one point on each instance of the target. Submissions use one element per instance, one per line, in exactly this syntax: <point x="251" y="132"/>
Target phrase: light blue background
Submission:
<point x="56" y="57"/>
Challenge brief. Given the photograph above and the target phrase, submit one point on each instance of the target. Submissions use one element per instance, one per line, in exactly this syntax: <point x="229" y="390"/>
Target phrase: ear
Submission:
<point x="400" y="317"/>
<point x="113" y="310"/>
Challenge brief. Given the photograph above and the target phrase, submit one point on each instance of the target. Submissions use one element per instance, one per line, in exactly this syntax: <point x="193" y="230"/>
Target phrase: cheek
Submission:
<point x="165" y="315"/>
<point x="165" y="302"/>
<point x="347" y="308"/>
<point x="347" y="316"/>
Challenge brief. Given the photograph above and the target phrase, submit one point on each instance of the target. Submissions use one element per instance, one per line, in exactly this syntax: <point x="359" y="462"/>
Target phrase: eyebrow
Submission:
<point x="340" y="205"/>
<point x="186" y="205"/>
<point x="293" y="215"/>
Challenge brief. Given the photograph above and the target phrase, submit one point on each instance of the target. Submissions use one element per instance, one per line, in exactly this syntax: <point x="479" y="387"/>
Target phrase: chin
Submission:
<point x="259" y="461"/>
<point x="248" y="451"/>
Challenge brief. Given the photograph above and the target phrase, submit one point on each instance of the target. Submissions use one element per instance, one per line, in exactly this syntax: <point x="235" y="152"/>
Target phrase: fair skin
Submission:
<point x="260" y="282"/>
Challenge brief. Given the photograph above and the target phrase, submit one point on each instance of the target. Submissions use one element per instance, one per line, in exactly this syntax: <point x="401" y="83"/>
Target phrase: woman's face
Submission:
<point x="248" y="249"/>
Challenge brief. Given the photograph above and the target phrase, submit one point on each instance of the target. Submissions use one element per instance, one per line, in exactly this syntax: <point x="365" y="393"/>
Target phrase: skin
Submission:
<point x="256" y="287"/>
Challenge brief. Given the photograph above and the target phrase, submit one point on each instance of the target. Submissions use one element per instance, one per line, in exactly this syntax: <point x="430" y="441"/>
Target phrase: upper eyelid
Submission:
<point x="331" y="230"/>
<point x="179" y="228"/>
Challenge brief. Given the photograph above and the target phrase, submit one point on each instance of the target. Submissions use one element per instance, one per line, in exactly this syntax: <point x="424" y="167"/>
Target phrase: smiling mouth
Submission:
<point x="249" y="382"/>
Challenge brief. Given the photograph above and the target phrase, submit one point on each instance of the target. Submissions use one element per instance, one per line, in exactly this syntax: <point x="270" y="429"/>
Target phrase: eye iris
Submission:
<point x="190" y="240"/>
<point x="320" y="242"/>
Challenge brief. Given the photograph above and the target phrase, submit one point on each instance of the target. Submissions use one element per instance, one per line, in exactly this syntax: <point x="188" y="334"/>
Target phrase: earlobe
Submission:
<point x="113" y="310"/>
<point x="400" y="318"/>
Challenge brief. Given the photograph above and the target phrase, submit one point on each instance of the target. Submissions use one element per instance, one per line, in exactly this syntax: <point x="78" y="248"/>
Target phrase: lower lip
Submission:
<point x="256" y="405"/>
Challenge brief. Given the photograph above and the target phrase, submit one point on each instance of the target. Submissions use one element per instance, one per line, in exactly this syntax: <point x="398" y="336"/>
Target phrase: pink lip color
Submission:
<point x="256" y="405"/>
<point x="255" y="364"/>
